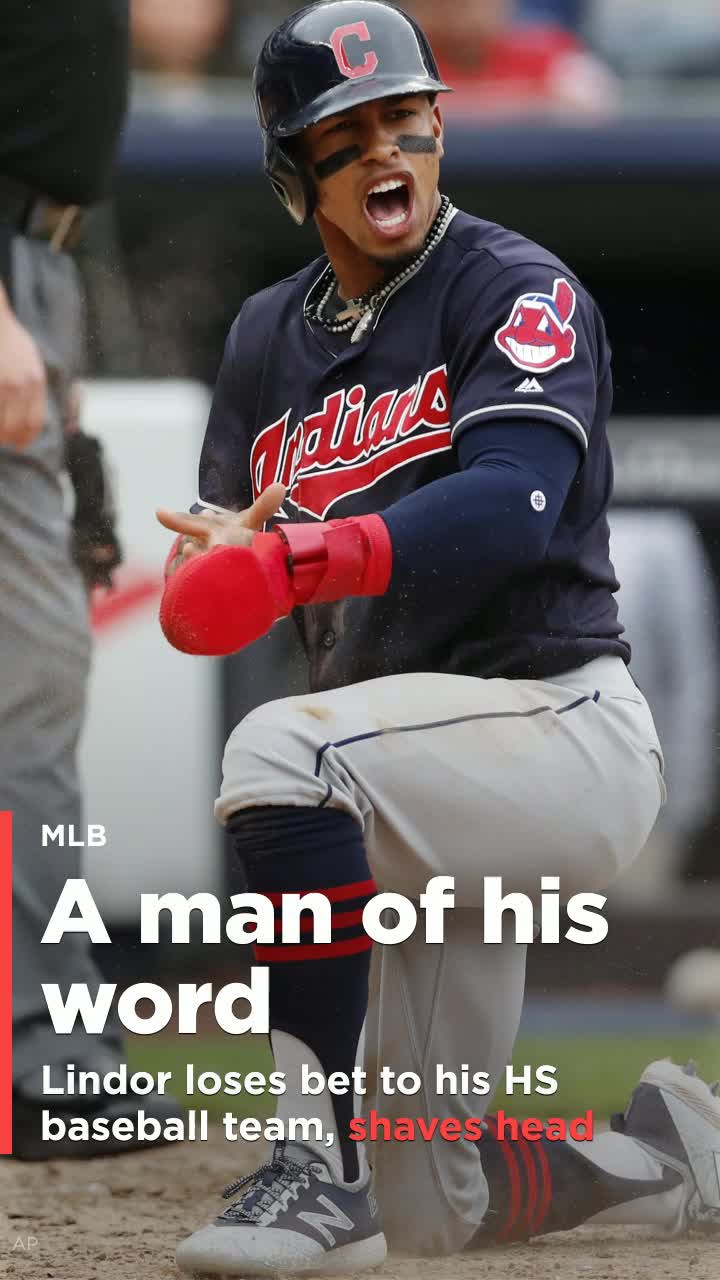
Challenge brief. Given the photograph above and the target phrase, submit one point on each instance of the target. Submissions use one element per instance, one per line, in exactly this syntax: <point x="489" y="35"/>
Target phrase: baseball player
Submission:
<point x="418" y="421"/>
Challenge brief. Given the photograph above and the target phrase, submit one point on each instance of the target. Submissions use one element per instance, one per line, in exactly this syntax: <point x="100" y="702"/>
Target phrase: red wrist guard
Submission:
<point x="222" y="600"/>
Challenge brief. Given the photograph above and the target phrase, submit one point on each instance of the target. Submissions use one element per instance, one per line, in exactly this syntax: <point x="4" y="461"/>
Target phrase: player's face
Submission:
<point x="376" y="171"/>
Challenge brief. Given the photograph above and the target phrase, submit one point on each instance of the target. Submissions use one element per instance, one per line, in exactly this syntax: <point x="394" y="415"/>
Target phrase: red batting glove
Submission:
<point x="224" y="599"/>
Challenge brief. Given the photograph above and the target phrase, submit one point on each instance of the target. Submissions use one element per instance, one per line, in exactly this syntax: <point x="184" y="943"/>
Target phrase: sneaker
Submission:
<point x="289" y="1217"/>
<point x="676" y="1116"/>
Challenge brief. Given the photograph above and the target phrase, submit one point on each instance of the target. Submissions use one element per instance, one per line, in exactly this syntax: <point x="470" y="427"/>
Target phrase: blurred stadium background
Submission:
<point x="592" y="126"/>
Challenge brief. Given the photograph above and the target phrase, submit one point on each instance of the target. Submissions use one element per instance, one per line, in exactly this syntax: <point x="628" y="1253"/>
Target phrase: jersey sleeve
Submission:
<point x="224" y="471"/>
<point x="529" y="344"/>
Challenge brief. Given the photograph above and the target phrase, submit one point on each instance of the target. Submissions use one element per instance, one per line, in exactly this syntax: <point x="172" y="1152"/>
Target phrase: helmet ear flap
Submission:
<point x="291" y="182"/>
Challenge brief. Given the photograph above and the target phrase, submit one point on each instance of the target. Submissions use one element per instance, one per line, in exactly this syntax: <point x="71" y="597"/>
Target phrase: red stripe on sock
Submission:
<point x="511" y="1163"/>
<point x="341" y="892"/>
<point x="546" y="1184"/>
<point x="342" y="920"/>
<point x="294" y="951"/>
<point x="6" y="984"/>
<point x="528" y="1156"/>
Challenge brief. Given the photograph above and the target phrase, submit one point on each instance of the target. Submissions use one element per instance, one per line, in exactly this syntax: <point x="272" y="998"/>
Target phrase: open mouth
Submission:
<point x="389" y="204"/>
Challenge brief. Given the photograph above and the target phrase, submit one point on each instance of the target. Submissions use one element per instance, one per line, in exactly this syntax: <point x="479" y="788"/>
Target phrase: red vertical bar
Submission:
<point x="5" y="983"/>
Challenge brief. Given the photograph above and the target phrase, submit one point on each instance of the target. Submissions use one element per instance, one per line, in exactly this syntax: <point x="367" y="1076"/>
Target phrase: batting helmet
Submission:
<point x="328" y="58"/>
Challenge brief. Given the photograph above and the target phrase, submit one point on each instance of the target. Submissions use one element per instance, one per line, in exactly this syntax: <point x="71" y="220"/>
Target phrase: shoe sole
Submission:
<point x="361" y="1255"/>
<point x="693" y="1108"/>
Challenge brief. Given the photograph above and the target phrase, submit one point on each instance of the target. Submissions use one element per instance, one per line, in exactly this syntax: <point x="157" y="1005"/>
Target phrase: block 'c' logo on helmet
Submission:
<point x="337" y="40"/>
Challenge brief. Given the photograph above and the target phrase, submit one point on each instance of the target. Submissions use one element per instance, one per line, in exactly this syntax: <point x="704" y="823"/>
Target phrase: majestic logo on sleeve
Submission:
<point x="538" y="336"/>
<point x="349" y="445"/>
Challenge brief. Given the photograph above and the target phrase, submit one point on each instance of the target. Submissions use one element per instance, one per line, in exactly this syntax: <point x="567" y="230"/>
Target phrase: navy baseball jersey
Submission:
<point x="492" y="328"/>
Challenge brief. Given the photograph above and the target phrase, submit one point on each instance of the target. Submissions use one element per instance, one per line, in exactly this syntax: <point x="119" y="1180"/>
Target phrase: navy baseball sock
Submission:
<point x="541" y="1186"/>
<point x="318" y="991"/>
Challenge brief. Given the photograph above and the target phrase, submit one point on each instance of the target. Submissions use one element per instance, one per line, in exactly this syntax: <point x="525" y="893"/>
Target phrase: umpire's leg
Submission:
<point x="44" y="659"/>
<point x="41" y="711"/>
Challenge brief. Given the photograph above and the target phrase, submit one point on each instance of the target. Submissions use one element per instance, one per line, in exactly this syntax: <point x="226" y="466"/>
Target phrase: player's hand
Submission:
<point x="222" y="529"/>
<point x="22" y="382"/>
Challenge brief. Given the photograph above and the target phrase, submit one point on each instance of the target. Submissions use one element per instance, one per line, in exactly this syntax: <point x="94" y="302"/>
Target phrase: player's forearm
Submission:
<point x="223" y="600"/>
<point x="472" y="529"/>
<point x="476" y="528"/>
<point x="470" y="532"/>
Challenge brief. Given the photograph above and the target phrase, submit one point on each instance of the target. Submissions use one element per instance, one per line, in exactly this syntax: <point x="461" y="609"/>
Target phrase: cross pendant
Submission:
<point x="351" y="312"/>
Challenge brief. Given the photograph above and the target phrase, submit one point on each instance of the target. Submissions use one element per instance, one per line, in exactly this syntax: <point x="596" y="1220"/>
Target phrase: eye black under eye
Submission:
<point x="337" y="161"/>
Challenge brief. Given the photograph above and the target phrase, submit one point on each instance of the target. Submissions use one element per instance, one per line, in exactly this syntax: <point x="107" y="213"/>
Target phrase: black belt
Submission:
<point x="29" y="213"/>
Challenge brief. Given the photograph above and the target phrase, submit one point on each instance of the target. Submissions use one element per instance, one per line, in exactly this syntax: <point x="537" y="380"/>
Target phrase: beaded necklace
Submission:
<point x="363" y="309"/>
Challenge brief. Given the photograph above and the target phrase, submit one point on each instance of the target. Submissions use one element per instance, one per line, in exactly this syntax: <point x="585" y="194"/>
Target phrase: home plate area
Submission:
<point x="78" y="1220"/>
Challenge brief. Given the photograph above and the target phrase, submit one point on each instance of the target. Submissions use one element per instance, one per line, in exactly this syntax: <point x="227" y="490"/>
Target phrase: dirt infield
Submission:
<point x="121" y="1218"/>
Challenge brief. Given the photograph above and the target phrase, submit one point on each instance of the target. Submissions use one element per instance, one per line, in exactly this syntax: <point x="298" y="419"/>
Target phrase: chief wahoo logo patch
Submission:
<point x="538" y="335"/>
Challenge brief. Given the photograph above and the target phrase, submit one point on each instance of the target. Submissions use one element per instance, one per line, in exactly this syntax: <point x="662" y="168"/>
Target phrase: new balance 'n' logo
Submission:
<point x="530" y="385"/>
<point x="334" y="1218"/>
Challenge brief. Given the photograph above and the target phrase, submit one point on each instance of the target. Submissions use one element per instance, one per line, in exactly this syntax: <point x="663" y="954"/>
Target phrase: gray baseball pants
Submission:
<point x="44" y="659"/>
